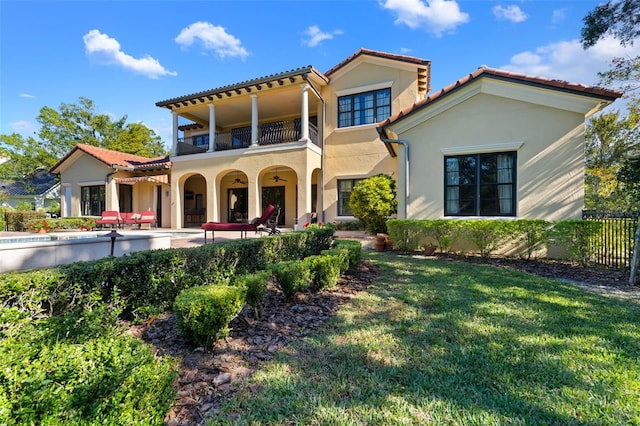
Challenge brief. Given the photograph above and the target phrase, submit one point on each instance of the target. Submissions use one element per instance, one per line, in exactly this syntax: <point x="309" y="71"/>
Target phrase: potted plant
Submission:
<point x="41" y="226"/>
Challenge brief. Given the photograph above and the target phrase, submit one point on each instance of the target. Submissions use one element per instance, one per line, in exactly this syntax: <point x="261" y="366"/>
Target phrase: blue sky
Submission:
<point x="127" y="55"/>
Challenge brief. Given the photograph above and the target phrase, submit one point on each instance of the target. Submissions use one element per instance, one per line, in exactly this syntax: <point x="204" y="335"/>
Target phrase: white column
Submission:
<point x="175" y="132"/>
<point x="212" y="127"/>
<point x="254" y="120"/>
<point x="304" y="124"/>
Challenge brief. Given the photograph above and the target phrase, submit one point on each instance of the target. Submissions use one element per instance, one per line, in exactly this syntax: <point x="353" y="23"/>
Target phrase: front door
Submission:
<point x="274" y="195"/>
<point x="125" y="198"/>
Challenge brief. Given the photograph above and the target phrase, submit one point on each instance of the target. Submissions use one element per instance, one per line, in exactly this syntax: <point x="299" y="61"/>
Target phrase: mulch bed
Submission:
<point x="207" y="378"/>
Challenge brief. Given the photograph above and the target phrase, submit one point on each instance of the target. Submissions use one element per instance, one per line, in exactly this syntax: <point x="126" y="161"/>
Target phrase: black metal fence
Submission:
<point x="614" y="246"/>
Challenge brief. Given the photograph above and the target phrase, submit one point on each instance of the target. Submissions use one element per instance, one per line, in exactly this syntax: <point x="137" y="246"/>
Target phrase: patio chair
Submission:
<point x="242" y="227"/>
<point x="148" y="217"/>
<point x="109" y="217"/>
<point x="271" y="224"/>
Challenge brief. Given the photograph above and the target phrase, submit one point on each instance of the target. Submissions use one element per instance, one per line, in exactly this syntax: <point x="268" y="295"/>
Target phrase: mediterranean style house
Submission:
<point x="493" y="143"/>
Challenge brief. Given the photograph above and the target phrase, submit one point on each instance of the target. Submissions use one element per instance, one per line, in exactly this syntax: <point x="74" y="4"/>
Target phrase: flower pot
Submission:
<point x="429" y="250"/>
<point x="42" y="231"/>
<point x="381" y="242"/>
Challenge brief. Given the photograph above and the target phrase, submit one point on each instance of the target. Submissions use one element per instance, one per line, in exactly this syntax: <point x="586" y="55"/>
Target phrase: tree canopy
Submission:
<point x="620" y="18"/>
<point x="61" y="129"/>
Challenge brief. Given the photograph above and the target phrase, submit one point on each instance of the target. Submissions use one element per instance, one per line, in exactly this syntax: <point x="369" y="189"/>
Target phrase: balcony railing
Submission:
<point x="268" y="134"/>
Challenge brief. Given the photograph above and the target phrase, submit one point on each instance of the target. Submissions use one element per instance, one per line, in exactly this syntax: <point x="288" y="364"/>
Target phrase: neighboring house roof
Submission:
<point x="486" y="72"/>
<point x="116" y="159"/>
<point x="244" y="85"/>
<point x="377" y="54"/>
<point x="39" y="184"/>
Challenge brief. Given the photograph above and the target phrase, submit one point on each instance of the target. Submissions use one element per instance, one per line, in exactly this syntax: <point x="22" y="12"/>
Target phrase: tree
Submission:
<point x="60" y="130"/>
<point x="620" y="18"/>
<point x="373" y="200"/>
<point x="609" y="141"/>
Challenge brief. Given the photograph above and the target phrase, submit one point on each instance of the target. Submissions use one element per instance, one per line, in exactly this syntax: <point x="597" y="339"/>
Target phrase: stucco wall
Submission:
<point x="295" y="163"/>
<point x="550" y="160"/>
<point x="357" y="152"/>
<point x="85" y="171"/>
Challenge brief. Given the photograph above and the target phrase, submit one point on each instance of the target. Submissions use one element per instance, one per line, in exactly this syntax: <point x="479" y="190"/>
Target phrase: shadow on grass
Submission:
<point x="437" y="342"/>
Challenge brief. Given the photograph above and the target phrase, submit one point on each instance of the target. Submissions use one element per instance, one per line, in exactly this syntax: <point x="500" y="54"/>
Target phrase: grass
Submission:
<point x="436" y="342"/>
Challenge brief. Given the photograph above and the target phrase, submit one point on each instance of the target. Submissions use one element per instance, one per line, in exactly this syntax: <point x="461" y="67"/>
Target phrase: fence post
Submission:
<point x="634" y="258"/>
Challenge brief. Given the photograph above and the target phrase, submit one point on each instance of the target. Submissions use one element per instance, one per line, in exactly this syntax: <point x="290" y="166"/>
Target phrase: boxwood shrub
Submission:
<point x="291" y="276"/>
<point x="203" y="313"/>
<point x="254" y="286"/>
<point x="324" y="271"/>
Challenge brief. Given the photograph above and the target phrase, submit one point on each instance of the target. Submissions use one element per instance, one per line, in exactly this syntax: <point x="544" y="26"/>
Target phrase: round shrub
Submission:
<point x="254" y="286"/>
<point x="291" y="277"/>
<point x="203" y="313"/>
<point x="325" y="271"/>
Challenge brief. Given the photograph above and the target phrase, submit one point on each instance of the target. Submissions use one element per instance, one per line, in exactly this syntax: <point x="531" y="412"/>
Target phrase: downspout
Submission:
<point x="405" y="144"/>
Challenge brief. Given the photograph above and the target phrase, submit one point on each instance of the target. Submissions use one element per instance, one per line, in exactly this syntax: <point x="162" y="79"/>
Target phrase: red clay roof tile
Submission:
<point x="116" y="158"/>
<point x="597" y="92"/>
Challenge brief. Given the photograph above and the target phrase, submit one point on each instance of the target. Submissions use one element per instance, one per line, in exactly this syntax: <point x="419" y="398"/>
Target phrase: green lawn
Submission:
<point x="436" y="342"/>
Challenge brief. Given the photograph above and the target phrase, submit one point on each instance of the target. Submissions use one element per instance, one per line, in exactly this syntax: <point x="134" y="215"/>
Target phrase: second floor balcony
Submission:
<point x="271" y="133"/>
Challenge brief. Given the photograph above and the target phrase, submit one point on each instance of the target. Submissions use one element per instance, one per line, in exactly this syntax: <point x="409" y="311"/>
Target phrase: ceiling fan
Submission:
<point x="278" y="178"/>
<point x="238" y="180"/>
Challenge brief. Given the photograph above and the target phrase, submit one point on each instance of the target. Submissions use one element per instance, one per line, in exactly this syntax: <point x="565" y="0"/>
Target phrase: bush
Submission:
<point x="354" y="250"/>
<point x="407" y="235"/>
<point x="343" y="255"/>
<point x="19" y="220"/>
<point x="291" y="277"/>
<point x="203" y="313"/>
<point x="373" y="200"/>
<point x="445" y="232"/>
<point x="351" y="225"/>
<point x="532" y="233"/>
<point x="325" y="271"/>
<point x="80" y="369"/>
<point x="578" y="237"/>
<point x="487" y="235"/>
<point x="254" y="286"/>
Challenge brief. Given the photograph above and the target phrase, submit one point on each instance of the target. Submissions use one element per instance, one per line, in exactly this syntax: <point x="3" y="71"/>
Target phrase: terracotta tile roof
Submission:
<point x="483" y="71"/>
<point x="302" y="71"/>
<point x="115" y="158"/>
<point x="378" y="54"/>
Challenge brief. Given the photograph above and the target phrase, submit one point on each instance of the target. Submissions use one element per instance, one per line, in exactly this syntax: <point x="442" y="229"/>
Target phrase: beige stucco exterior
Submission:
<point x="356" y="152"/>
<point x="276" y="140"/>
<point x="545" y="128"/>
<point x="82" y="170"/>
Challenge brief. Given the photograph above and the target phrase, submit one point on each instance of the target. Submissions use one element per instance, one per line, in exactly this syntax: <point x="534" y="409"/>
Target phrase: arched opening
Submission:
<point x="234" y="197"/>
<point x="195" y="201"/>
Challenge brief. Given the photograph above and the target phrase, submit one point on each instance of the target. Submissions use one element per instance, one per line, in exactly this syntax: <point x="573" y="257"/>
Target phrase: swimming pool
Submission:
<point x="38" y="251"/>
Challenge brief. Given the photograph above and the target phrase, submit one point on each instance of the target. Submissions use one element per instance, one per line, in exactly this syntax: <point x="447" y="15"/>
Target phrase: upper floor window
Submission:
<point x="364" y="108"/>
<point x="480" y="185"/>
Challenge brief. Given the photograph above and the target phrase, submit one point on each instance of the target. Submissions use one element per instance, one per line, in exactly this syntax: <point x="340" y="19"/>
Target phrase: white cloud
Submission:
<point x="509" y="13"/>
<point x="106" y="48"/>
<point x="23" y="127"/>
<point x="435" y="16"/>
<point x="26" y="96"/>
<point x="316" y="36"/>
<point x="558" y="16"/>
<point x="214" y="38"/>
<point x="567" y="60"/>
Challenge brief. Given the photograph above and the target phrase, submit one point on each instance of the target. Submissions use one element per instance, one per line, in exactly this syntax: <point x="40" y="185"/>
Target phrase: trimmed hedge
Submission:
<point x="324" y="271"/>
<point x="254" y="286"/>
<point x="291" y="277"/>
<point x="149" y="281"/>
<point x="579" y="238"/>
<point x="203" y="313"/>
